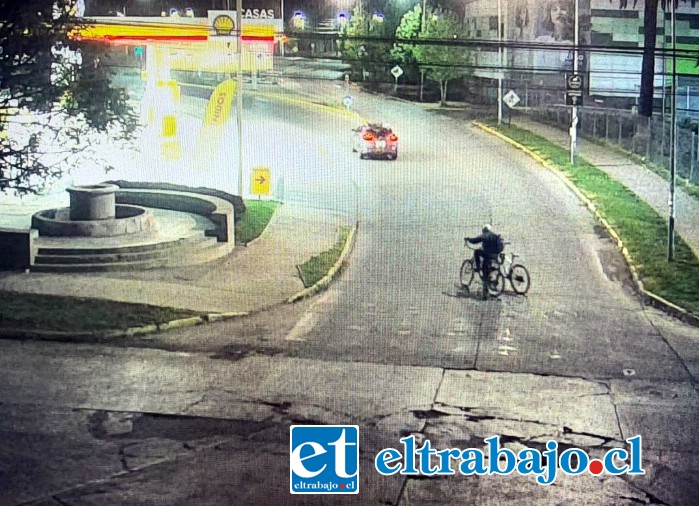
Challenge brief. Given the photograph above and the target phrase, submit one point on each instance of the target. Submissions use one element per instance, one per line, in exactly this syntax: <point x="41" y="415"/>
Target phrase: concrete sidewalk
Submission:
<point x="251" y="278"/>
<point x="647" y="185"/>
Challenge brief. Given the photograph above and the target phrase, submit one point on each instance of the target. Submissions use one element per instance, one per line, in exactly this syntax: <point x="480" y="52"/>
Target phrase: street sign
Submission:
<point x="574" y="90"/>
<point x="397" y="71"/>
<point x="347" y="101"/>
<point x="574" y="99"/>
<point x="511" y="99"/>
<point x="574" y="83"/>
<point x="260" y="180"/>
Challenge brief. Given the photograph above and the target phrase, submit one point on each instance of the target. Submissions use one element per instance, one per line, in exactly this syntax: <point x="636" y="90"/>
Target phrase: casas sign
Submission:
<point x="258" y="13"/>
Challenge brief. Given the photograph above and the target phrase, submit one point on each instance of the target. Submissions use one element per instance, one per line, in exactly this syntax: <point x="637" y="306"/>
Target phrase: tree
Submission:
<point x="650" y="32"/>
<point x="365" y="46"/>
<point x="408" y="29"/>
<point x="56" y="96"/>
<point x="441" y="61"/>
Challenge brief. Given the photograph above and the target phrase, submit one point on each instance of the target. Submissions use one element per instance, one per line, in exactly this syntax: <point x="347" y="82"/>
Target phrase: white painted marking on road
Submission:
<point x="457" y="326"/>
<point x="302" y="327"/>
<point x="354" y="327"/>
<point x="554" y="356"/>
<point x="505" y="336"/>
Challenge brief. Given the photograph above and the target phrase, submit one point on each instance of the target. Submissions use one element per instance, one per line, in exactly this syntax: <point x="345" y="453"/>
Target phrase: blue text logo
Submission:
<point x="324" y="459"/>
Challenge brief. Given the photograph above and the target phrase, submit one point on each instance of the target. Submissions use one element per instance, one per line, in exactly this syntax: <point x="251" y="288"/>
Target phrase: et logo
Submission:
<point x="324" y="459"/>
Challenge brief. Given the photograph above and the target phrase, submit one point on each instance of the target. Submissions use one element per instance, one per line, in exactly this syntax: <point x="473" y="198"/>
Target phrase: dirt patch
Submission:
<point x="614" y="266"/>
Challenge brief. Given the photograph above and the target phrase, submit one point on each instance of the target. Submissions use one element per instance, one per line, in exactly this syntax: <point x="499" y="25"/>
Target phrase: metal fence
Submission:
<point x="646" y="137"/>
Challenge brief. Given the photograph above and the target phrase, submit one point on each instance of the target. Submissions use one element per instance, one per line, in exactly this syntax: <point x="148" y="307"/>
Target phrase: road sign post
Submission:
<point x="511" y="99"/>
<point x="574" y="85"/>
<point x="574" y="97"/>
<point x="261" y="181"/>
<point x="397" y="72"/>
<point x="348" y="102"/>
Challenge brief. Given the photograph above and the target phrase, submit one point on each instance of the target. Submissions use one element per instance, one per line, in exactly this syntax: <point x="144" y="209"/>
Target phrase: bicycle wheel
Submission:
<point x="466" y="273"/>
<point x="519" y="279"/>
<point x="496" y="283"/>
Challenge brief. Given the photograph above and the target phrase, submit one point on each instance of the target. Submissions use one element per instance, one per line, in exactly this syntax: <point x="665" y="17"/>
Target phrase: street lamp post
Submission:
<point x="673" y="143"/>
<point x="422" y="30"/>
<point x="574" y="120"/>
<point x="281" y="42"/>
<point x="500" y="62"/>
<point x="239" y="94"/>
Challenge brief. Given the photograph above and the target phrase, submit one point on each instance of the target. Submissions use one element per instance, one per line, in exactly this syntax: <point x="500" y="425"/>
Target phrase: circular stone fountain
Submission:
<point x="93" y="212"/>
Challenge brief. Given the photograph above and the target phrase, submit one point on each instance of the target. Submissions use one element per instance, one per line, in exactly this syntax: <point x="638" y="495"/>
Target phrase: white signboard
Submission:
<point x="397" y="71"/>
<point x="511" y="99"/>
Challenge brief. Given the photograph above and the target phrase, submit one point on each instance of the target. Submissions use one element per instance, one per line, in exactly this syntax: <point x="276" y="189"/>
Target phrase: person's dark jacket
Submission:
<point x="490" y="243"/>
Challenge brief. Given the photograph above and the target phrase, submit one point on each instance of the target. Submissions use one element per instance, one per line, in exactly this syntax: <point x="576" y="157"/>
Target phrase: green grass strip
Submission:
<point x="317" y="267"/>
<point x="643" y="230"/>
<point x="30" y="311"/>
<point x="256" y="217"/>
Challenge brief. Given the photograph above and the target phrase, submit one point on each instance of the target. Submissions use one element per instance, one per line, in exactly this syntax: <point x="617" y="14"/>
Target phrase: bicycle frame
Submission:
<point x="494" y="264"/>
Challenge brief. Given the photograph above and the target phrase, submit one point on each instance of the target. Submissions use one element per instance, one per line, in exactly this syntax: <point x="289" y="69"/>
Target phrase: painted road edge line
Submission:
<point x="649" y="297"/>
<point x="324" y="282"/>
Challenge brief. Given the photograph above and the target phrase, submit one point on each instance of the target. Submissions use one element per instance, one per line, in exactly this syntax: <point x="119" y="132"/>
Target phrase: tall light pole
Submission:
<point x="239" y="94"/>
<point x="281" y="42"/>
<point x="574" y="120"/>
<point x="673" y="145"/>
<point x="422" y="31"/>
<point x="500" y="62"/>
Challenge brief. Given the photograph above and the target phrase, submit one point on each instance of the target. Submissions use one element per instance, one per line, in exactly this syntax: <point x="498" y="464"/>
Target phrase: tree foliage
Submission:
<point x="55" y="95"/>
<point x="441" y="62"/>
<point x="650" y="24"/>
<point x="365" y="45"/>
<point x="408" y="29"/>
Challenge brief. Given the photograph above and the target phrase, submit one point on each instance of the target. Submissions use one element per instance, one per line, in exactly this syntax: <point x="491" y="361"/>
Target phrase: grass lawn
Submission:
<point x="643" y="231"/>
<point x="71" y="314"/>
<point x="253" y="222"/>
<point x="317" y="267"/>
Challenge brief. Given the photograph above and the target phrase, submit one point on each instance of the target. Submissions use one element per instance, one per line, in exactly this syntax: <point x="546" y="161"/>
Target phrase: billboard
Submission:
<point x="542" y="34"/>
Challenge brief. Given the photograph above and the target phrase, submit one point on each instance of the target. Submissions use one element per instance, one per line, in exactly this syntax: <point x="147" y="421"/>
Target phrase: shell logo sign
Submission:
<point x="223" y="24"/>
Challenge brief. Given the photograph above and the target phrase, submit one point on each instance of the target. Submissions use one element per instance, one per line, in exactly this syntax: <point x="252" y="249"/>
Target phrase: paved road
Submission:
<point x="201" y="416"/>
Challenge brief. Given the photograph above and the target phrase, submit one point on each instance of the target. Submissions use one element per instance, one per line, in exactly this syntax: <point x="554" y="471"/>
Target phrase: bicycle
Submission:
<point x="517" y="274"/>
<point x="496" y="281"/>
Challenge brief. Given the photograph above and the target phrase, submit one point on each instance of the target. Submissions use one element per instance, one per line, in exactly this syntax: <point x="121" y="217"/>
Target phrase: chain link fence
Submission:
<point x="649" y="138"/>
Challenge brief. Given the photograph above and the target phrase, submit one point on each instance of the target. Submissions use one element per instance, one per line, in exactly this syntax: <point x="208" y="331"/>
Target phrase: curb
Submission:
<point x="99" y="335"/>
<point x="649" y="298"/>
<point x="324" y="282"/>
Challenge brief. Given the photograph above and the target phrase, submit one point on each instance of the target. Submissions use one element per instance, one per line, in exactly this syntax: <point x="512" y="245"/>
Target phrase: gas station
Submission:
<point x="203" y="44"/>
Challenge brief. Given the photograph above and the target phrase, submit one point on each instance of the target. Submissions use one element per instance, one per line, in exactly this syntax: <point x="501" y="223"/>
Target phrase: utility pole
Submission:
<point x="500" y="62"/>
<point x="574" y="122"/>
<point x="281" y="42"/>
<point x="239" y="94"/>
<point x="422" y="31"/>
<point x="673" y="145"/>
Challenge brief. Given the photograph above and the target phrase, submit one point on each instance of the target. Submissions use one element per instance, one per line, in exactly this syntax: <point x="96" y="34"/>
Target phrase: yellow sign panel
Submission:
<point x="169" y="126"/>
<point x="219" y="107"/>
<point x="260" y="180"/>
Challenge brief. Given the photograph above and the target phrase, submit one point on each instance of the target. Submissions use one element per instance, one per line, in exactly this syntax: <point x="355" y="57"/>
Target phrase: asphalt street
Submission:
<point x="392" y="346"/>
